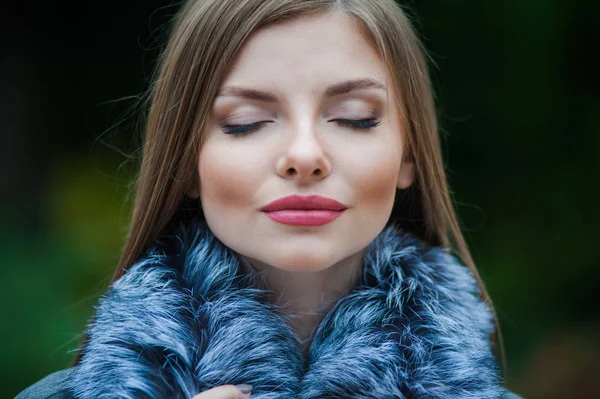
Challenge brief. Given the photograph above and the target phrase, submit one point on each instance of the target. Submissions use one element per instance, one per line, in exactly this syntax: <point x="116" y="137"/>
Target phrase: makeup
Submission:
<point x="298" y="217"/>
<point x="312" y="210"/>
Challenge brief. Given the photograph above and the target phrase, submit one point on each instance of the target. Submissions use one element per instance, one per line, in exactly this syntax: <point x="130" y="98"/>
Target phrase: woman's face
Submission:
<point x="282" y="125"/>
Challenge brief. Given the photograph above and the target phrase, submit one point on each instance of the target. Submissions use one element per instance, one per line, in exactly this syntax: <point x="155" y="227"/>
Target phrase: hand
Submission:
<point x="224" y="392"/>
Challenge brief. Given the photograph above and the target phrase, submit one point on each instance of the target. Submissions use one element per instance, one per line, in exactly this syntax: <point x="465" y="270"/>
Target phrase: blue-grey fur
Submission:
<point x="185" y="318"/>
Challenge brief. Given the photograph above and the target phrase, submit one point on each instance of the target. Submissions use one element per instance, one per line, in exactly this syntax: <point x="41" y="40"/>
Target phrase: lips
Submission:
<point x="312" y="210"/>
<point x="304" y="202"/>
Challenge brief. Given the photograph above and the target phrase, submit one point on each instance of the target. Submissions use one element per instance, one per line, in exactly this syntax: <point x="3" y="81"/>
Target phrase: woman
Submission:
<point x="292" y="227"/>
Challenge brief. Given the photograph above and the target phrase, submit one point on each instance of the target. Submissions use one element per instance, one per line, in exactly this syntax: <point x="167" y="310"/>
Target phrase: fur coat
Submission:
<point x="185" y="318"/>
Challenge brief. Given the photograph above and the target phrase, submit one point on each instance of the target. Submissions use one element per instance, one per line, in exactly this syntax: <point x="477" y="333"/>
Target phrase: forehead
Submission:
<point x="307" y="52"/>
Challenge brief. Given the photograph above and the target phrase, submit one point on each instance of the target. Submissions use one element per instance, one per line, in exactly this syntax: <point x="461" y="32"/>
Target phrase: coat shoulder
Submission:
<point x="53" y="386"/>
<point x="510" y="395"/>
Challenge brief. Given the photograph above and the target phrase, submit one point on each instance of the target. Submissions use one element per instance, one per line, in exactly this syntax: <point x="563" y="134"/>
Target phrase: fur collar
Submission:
<point x="185" y="318"/>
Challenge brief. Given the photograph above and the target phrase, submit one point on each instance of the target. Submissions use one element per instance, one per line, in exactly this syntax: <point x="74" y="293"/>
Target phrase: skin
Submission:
<point x="222" y="392"/>
<point x="302" y="149"/>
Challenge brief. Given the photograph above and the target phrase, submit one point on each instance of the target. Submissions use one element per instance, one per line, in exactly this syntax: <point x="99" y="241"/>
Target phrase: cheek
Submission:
<point x="375" y="197"/>
<point x="375" y="175"/>
<point x="225" y="180"/>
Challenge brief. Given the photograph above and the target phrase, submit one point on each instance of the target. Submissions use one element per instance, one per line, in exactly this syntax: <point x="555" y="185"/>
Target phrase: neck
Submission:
<point x="308" y="296"/>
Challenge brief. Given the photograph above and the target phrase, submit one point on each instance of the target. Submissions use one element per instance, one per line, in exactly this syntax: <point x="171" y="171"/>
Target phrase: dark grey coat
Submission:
<point x="185" y="318"/>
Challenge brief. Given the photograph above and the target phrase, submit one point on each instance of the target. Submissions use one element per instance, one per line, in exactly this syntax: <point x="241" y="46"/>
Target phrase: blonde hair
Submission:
<point x="204" y="39"/>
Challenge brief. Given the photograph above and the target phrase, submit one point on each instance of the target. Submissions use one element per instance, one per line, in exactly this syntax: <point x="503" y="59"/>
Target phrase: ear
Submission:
<point x="406" y="174"/>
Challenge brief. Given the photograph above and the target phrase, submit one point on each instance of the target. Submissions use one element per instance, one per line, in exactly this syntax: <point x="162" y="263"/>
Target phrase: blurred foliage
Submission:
<point x="517" y="88"/>
<point x="53" y="277"/>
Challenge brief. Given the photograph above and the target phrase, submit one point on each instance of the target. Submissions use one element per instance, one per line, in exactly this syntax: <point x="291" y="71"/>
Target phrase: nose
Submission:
<point x="304" y="157"/>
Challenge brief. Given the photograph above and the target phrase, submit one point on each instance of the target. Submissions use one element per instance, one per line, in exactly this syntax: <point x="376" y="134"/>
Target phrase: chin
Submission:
<point x="301" y="261"/>
<point x="304" y="260"/>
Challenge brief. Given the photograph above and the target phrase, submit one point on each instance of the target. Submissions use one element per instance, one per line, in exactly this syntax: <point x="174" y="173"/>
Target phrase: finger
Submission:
<point x="222" y="392"/>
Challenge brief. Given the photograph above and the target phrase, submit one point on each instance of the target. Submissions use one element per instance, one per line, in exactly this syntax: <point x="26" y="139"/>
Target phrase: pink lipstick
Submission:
<point x="296" y="210"/>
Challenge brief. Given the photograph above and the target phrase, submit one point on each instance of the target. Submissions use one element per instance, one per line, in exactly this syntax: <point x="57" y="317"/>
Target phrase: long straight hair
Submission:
<point x="204" y="39"/>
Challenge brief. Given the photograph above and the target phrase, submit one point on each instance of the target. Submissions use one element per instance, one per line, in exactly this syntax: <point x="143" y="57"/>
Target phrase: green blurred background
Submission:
<point x="517" y="84"/>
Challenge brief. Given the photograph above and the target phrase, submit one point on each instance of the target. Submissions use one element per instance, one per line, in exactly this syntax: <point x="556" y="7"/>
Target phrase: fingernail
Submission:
<point x="245" y="388"/>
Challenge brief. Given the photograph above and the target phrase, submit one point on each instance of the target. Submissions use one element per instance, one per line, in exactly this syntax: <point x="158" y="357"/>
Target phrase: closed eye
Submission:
<point x="358" y="123"/>
<point x="361" y="124"/>
<point x="241" y="129"/>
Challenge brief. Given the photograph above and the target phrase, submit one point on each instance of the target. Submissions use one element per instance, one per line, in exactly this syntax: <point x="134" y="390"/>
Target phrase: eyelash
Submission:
<point x="358" y="124"/>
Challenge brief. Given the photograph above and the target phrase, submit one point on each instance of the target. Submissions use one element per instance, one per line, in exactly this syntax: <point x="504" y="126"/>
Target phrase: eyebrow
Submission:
<point x="333" y="90"/>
